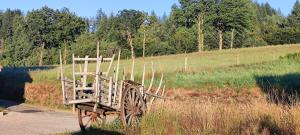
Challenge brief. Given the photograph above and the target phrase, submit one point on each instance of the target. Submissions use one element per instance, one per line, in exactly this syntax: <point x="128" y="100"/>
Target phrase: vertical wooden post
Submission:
<point x="110" y="64"/>
<point x="62" y="78"/>
<point x="143" y="80"/>
<point x="85" y="70"/>
<point x="97" y="73"/>
<point x="110" y="91"/>
<point x="117" y="77"/>
<point x="121" y="92"/>
<point x="74" y="82"/>
<point x="152" y="78"/>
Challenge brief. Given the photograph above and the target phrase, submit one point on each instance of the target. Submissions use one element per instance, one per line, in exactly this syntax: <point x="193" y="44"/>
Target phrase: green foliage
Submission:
<point x="284" y="36"/>
<point x="183" y="40"/>
<point x="253" y="24"/>
<point x="293" y="18"/>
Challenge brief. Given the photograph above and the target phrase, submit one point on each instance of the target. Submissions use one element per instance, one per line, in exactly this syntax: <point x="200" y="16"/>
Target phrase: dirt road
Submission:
<point x="23" y="119"/>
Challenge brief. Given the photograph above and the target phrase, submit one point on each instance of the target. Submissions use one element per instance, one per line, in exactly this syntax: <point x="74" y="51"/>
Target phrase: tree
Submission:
<point x="20" y="49"/>
<point x="183" y="40"/>
<point x="294" y="17"/>
<point x="230" y="14"/>
<point x="129" y="22"/>
<point x="190" y="13"/>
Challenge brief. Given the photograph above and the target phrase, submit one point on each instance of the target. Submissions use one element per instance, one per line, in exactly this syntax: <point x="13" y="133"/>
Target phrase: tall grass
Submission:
<point x="193" y="117"/>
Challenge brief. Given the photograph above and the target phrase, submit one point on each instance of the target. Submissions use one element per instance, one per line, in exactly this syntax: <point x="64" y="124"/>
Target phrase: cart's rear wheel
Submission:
<point x="87" y="118"/>
<point x="132" y="106"/>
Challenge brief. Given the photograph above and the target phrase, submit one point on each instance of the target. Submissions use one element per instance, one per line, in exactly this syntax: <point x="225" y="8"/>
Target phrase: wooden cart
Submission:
<point x="96" y="94"/>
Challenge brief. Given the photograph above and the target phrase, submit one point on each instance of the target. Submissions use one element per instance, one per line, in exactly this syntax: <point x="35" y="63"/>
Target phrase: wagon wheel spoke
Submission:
<point x="86" y="119"/>
<point x="132" y="106"/>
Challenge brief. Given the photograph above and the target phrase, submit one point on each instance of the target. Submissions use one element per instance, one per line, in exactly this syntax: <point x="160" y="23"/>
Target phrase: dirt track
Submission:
<point x="22" y="119"/>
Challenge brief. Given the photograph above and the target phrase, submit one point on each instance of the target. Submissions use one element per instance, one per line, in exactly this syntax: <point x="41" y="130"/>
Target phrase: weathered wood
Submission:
<point x="74" y="82"/>
<point x="152" y="78"/>
<point x="92" y="59"/>
<point x="110" y="64"/>
<point x="120" y="94"/>
<point x="110" y="92"/>
<point x="79" y="101"/>
<point x="85" y="70"/>
<point x="63" y="85"/>
<point x="84" y="88"/>
<point x="117" y="77"/>
<point x="158" y="89"/>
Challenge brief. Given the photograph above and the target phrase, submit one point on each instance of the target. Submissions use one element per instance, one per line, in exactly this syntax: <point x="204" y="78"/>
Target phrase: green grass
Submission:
<point x="236" y="77"/>
<point x="221" y="68"/>
<point x="206" y="71"/>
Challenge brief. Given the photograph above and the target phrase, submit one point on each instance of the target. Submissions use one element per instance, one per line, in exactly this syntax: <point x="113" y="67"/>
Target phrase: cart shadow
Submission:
<point x="96" y="131"/>
<point x="280" y="89"/>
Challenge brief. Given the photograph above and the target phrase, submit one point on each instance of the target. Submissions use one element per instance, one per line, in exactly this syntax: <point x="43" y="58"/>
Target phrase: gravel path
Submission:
<point x="22" y="119"/>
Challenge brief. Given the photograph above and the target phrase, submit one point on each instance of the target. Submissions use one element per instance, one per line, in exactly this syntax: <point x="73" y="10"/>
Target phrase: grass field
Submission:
<point x="240" y="91"/>
<point x="235" y="69"/>
<point x="197" y="62"/>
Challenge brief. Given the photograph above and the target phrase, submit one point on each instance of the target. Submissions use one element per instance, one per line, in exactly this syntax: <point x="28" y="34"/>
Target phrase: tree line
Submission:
<point x="36" y="37"/>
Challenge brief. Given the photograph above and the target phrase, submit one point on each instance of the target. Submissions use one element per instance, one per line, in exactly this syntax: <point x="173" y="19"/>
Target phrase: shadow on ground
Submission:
<point x="96" y="131"/>
<point x="283" y="89"/>
<point x="13" y="80"/>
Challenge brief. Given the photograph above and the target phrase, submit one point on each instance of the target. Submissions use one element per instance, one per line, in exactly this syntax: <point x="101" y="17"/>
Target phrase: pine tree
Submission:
<point x="294" y="18"/>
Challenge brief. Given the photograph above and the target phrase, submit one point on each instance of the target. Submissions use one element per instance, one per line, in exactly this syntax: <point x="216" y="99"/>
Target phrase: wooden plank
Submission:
<point x="110" y="92"/>
<point x="79" y="101"/>
<point x="63" y="84"/>
<point x="143" y="80"/>
<point x="74" y="81"/>
<point x="93" y="59"/>
<point x="111" y="61"/>
<point x="120" y="93"/>
<point x="85" y="59"/>
<point x="84" y="88"/>
<point x="85" y="70"/>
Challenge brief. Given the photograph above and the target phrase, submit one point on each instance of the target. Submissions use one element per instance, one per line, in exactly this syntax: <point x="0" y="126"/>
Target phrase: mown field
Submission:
<point x="240" y="91"/>
<point x="200" y="66"/>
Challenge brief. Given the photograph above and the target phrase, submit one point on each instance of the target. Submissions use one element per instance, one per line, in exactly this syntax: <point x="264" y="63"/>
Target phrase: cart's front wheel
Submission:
<point x="87" y="118"/>
<point x="132" y="106"/>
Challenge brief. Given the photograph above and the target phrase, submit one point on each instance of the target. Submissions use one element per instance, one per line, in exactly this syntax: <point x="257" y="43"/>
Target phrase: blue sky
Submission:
<point x="88" y="8"/>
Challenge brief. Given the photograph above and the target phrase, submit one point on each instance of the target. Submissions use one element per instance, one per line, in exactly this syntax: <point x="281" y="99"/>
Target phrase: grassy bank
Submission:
<point x="236" y="69"/>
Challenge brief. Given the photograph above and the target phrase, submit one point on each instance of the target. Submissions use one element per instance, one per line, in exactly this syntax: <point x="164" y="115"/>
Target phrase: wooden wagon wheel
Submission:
<point x="132" y="106"/>
<point x="87" y="118"/>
